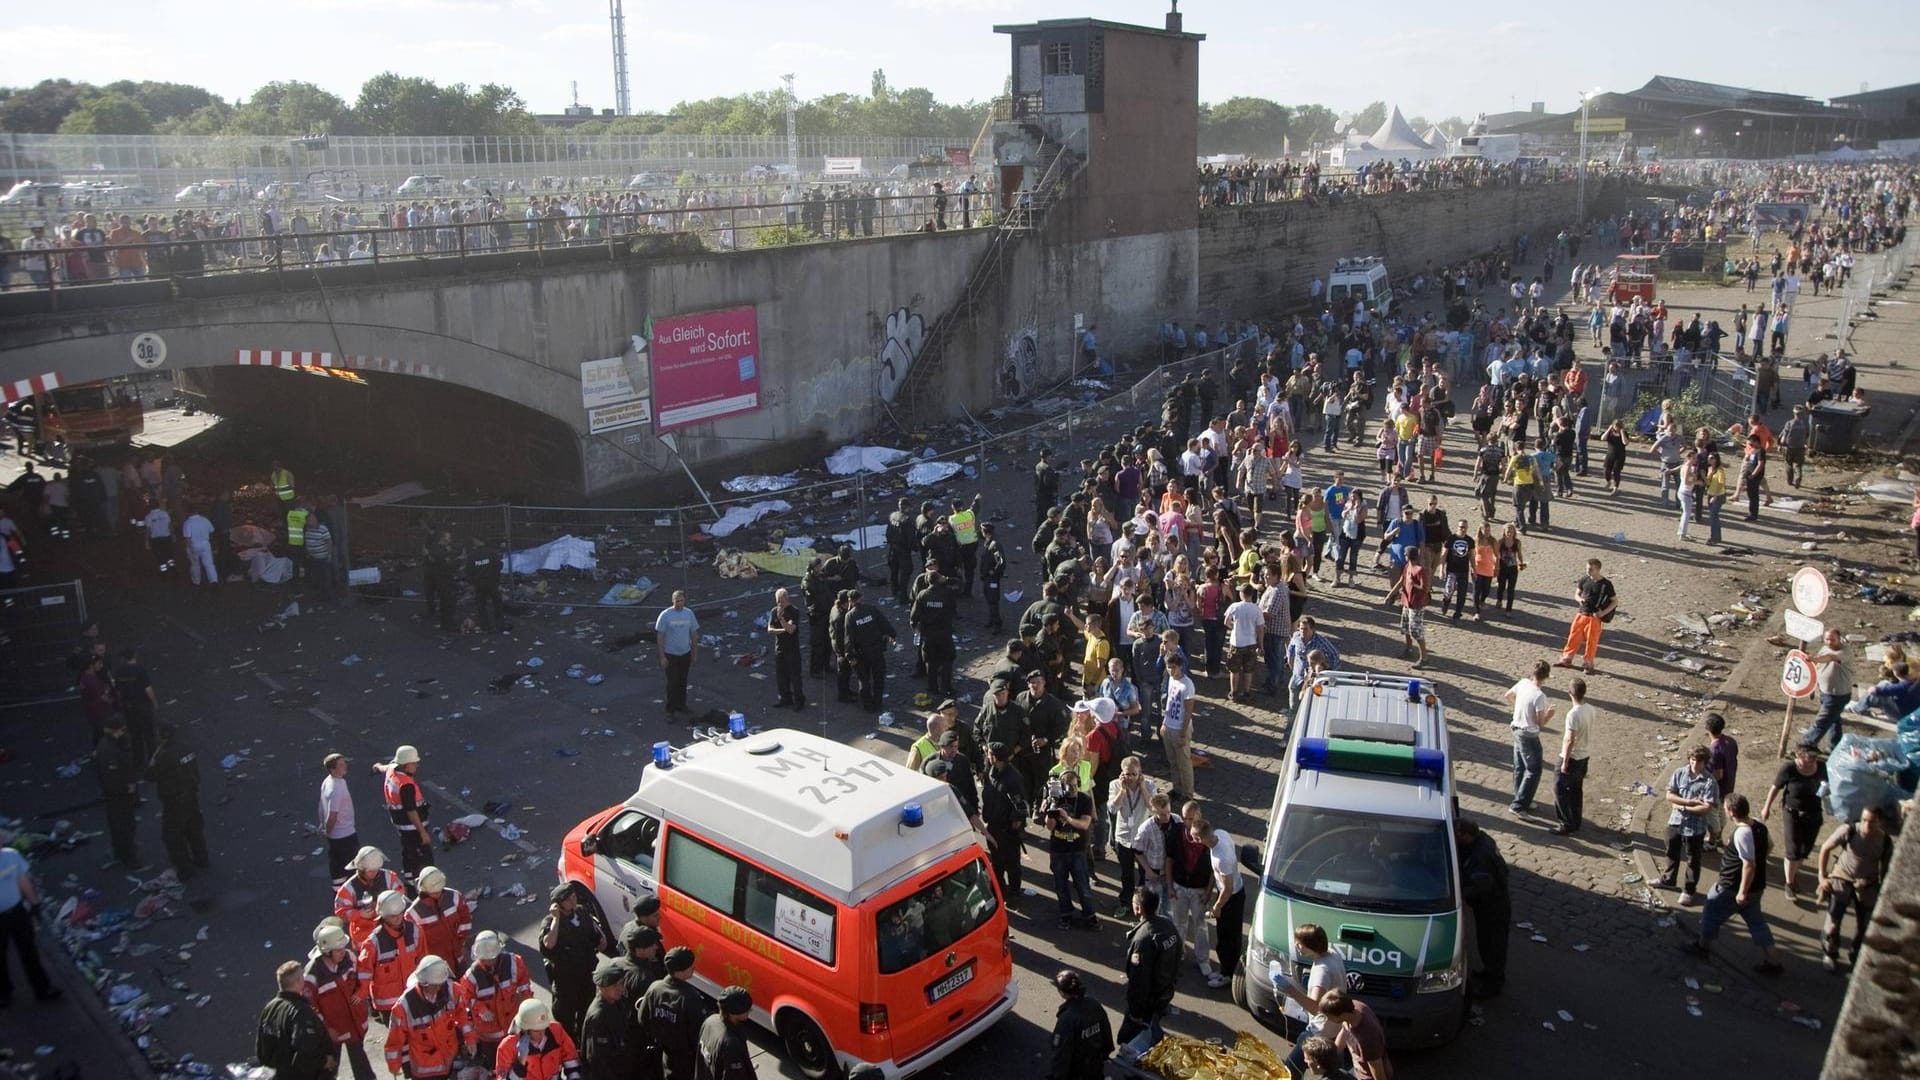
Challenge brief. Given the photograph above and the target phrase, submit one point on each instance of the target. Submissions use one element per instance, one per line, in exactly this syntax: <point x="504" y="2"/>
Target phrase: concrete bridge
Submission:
<point x="473" y="367"/>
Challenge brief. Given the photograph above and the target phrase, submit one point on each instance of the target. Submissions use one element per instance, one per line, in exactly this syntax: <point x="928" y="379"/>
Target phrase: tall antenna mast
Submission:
<point x="793" y="134"/>
<point x="622" y="102"/>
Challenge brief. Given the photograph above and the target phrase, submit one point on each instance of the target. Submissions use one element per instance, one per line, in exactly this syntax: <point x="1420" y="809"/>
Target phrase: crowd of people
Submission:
<point x="86" y="246"/>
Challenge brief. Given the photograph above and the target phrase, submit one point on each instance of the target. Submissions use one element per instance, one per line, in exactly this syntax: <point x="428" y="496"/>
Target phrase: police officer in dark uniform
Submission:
<point x="724" y="1054"/>
<point x="571" y="941"/>
<point x="290" y="1037"/>
<point x="869" y="635"/>
<point x="899" y="551"/>
<point x="481" y="567"/>
<point x="1046" y="484"/>
<point x="820" y="594"/>
<point x="943" y="548"/>
<point x="1004" y="809"/>
<point x="1003" y="720"/>
<point x="993" y="568"/>
<point x="437" y="561"/>
<point x="1154" y="949"/>
<point x="842" y="570"/>
<point x="671" y="1012"/>
<point x="1082" y="1037"/>
<point x="932" y="615"/>
<point x="607" y="1049"/>
<point x="842" y="654"/>
<point x="113" y="766"/>
<point x="176" y="775"/>
<point x="639" y="969"/>
<point x="1047" y="720"/>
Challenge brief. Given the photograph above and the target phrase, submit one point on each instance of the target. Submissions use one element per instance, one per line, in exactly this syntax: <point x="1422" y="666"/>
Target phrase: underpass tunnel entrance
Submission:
<point x="400" y="426"/>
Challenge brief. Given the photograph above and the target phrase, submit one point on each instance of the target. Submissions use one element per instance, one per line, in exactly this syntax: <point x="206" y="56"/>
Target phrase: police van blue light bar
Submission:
<point x="1360" y="756"/>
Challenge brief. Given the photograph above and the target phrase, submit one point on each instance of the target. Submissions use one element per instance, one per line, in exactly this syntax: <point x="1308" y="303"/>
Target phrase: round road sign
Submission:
<point x="1810" y="592"/>
<point x="149" y="350"/>
<point x="1796" y="676"/>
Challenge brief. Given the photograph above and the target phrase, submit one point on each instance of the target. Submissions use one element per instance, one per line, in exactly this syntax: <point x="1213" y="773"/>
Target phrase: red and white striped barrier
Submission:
<point x="26" y="388"/>
<point x="285" y="358"/>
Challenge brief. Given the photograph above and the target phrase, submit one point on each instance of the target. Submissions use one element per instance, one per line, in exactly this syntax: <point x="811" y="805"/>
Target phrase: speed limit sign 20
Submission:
<point x="1796" y="675"/>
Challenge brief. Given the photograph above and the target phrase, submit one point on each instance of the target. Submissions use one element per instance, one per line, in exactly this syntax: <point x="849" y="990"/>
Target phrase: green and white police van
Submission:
<point x="1361" y="844"/>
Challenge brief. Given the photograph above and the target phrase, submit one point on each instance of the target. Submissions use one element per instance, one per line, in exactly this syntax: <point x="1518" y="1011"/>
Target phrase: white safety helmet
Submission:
<point x="392" y="902"/>
<point x="406" y="755"/>
<point x="368" y="858"/>
<point x="432" y="971"/>
<point x="328" y="936"/>
<point x="533" y="1015"/>
<point x="432" y="879"/>
<point x="487" y="945"/>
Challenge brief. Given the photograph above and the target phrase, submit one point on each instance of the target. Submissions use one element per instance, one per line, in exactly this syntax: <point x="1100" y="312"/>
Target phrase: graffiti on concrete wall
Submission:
<point x="906" y="333"/>
<point x="1020" y="367"/>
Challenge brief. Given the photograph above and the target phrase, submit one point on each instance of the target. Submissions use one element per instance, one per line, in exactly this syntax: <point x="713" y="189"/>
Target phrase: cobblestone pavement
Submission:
<point x="281" y="697"/>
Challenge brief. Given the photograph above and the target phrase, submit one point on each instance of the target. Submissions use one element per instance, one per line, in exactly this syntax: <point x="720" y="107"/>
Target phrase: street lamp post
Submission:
<point x="1580" y="200"/>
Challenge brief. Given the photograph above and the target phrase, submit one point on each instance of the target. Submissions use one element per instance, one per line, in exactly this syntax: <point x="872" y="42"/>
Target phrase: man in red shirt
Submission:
<point x="1359" y="1033"/>
<point x="1415" y="590"/>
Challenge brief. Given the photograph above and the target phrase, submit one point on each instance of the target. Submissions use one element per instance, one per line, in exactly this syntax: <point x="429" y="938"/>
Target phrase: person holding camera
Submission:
<point x="1067" y="812"/>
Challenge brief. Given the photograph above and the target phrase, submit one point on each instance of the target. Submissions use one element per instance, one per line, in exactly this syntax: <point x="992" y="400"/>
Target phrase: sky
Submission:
<point x="1435" y="60"/>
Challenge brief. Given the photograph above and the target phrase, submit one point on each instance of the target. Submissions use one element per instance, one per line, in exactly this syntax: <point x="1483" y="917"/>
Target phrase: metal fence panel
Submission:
<point x="39" y="625"/>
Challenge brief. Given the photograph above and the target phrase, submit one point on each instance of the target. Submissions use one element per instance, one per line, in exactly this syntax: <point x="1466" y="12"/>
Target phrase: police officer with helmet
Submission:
<point x="671" y="1014"/>
<point x="724" y="1054"/>
<point x="1082" y="1037"/>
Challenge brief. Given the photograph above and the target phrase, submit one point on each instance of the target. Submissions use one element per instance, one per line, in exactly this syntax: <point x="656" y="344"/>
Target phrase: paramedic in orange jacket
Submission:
<point x="354" y="901"/>
<point x="444" y="919"/>
<point x="536" y="1048"/>
<point x="492" y="989"/>
<point x="390" y="953"/>
<point x="424" y="1029"/>
<point x="332" y="986"/>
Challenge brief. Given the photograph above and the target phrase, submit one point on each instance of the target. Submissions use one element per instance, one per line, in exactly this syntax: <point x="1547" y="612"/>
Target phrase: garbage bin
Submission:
<point x="1836" y="426"/>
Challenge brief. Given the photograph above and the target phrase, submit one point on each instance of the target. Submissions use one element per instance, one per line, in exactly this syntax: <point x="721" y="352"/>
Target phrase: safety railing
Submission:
<point x="721" y="228"/>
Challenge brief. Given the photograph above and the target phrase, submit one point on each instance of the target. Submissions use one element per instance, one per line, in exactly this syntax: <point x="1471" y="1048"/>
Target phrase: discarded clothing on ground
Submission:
<point x="781" y="561"/>
<point x="627" y="594"/>
<point x="732" y="564"/>
<point x="866" y="538"/>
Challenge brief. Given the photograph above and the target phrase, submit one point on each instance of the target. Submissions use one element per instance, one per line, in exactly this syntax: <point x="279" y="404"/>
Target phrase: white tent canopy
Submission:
<point x="1437" y="139"/>
<point x="1395" y="141"/>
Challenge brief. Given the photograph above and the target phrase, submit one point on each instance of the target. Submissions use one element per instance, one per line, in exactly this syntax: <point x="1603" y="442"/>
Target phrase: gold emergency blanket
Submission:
<point x="1177" y="1057"/>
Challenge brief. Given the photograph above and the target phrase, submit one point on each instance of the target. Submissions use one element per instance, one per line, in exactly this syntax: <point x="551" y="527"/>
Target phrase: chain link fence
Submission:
<point x="676" y="546"/>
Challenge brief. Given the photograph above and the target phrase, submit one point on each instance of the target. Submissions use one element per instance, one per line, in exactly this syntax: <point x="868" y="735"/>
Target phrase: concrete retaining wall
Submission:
<point x="1258" y="261"/>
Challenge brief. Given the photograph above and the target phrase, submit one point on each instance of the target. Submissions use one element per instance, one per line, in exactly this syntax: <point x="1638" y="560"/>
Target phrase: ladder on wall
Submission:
<point x="921" y="397"/>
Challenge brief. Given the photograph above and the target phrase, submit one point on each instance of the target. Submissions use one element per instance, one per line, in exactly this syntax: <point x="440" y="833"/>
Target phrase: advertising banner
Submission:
<point x="841" y="166"/>
<point x="959" y="155"/>
<point x="705" y="366"/>
<point x="605" y="382"/>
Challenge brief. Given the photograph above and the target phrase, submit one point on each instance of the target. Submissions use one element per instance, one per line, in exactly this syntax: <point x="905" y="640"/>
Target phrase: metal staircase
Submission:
<point x="921" y="397"/>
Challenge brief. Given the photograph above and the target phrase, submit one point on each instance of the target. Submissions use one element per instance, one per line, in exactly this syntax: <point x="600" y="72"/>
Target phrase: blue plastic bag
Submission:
<point x="1863" y="772"/>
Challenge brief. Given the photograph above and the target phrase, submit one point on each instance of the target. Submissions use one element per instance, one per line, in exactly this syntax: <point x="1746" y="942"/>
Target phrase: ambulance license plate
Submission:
<point x="951" y="983"/>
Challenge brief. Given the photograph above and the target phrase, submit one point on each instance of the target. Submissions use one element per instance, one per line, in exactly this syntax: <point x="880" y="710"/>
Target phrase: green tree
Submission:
<point x="108" y="114"/>
<point x="391" y="104"/>
<point x="1368" y="120"/>
<point x="40" y="108"/>
<point x="291" y="108"/>
<point x="165" y="100"/>
<point x="1311" y="124"/>
<point x="1244" y="125"/>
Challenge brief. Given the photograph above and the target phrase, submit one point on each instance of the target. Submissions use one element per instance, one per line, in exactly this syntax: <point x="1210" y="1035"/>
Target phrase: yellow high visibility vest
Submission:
<point x="296" y="528"/>
<point x="283" y="484"/>
<point x="964" y="528"/>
